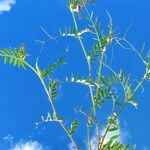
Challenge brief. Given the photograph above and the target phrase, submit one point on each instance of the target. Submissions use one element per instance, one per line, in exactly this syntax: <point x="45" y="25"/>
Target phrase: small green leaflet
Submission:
<point x="73" y="127"/>
<point x="113" y="122"/>
<point x="113" y="129"/>
<point x="53" y="85"/>
<point x="51" y="68"/>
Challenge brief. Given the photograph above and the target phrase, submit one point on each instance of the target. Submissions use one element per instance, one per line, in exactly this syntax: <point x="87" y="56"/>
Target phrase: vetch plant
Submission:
<point x="102" y="87"/>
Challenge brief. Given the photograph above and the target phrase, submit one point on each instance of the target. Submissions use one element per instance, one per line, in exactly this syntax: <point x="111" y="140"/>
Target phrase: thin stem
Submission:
<point x="108" y="127"/>
<point x="88" y="61"/>
<point x="75" y="22"/>
<point x="93" y="24"/>
<point x="131" y="48"/>
<point x="99" y="40"/>
<point x="89" y="136"/>
<point x="139" y="84"/>
<point x="100" y="66"/>
<point x="81" y="43"/>
<point x="119" y="112"/>
<point x="52" y="104"/>
<point x="88" y="117"/>
<point x="109" y="68"/>
<point x="98" y="134"/>
<point x="90" y="74"/>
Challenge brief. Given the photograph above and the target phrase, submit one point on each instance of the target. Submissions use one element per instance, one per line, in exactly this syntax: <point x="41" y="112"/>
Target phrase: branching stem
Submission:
<point x="87" y="60"/>
<point x="52" y="104"/>
<point x="119" y="112"/>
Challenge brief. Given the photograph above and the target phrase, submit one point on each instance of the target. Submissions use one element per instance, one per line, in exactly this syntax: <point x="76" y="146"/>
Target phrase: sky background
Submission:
<point x="22" y="98"/>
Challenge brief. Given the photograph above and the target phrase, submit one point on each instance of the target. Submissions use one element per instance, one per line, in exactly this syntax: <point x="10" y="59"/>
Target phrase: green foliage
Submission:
<point x="101" y="87"/>
<point x="113" y="122"/>
<point x="116" y="145"/>
<point x="51" y="68"/>
<point x="128" y="91"/>
<point x="102" y="41"/>
<point x="148" y="65"/>
<point x="74" y="127"/>
<point x="104" y="90"/>
<point x="14" y="56"/>
<point x="53" y="85"/>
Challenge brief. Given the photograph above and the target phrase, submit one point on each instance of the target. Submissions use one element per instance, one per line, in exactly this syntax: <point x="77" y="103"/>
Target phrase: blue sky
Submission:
<point x="22" y="98"/>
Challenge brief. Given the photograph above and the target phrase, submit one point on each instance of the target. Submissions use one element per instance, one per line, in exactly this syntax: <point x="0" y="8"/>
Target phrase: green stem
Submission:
<point x="75" y="22"/>
<point x="81" y="43"/>
<point x="98" y="136"/>
<point x="100" y="66"/>
<point x="88" y="134"/>
<point x="52" y="104"/>
<point x="139" y="84"/>
<point x="93" y="24"/>
<point x="99" y="40"/>
<point x="119" y="112"/>
<point x="88" y="61"/>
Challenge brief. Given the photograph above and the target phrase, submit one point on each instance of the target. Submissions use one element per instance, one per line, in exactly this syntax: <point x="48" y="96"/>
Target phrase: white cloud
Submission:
<point x="30" y="145"/>
<point x="5" y="5"/>
<point x="22" y="144"/>
<point x="71" y="147"/>
<point x="111" y="134"/>
<point x="124" y="136"/>
<point x="94" y="141"/>
<point x="8" y="138"/>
